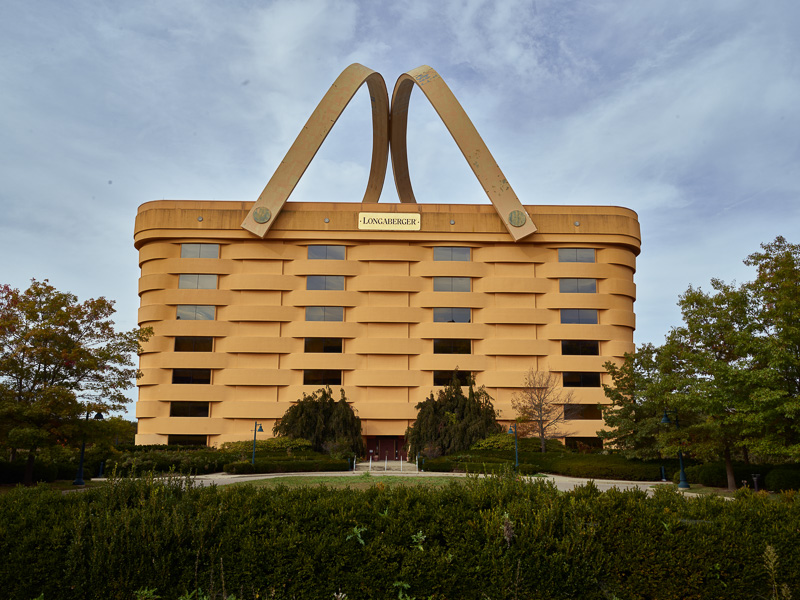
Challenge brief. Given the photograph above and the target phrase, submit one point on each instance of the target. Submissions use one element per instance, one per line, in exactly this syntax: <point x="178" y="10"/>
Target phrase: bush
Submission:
<point x="239" y="468"/>
<point x="512" y="538"/>
<point x="284" y="445"/>
<point x="287" y="466"/>
<point x="783" y="478"/>
<point x="715" y="475"/>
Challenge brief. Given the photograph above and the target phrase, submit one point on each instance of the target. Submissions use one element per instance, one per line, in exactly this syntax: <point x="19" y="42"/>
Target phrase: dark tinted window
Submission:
<point x="452" y="315"/>
<point x="325" y="282"/>
<point x="452" y="346"/>
<point x="326" y="252"/>
<point x="192" y="312"/>
<point x="445" y="377"/>
<point x="188" y="409"/>
<point x="582" y="255"/>
<point x="580" y="347"/>
<point x="186" y="440"/>
<point x="199" y="376"/>
<point x="199" y="250"/>
<point x="581" y="379"/>
<point x="197" y="281"/>
<point x="194" y="344"/>
<point x="451" y="284"/>
<point x="324" y="313"/>
<point x="577" y="286"/>
<point x="323" y="345"/>
<point x="451" y="253"/>
<point x="575" y="412"/>
<point x="582" y="316"/>
<point x="322" y="377"/>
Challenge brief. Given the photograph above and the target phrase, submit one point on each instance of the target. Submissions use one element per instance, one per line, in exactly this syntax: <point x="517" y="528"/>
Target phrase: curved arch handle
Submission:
<point x="305" y="147"/>
<point x="510" y="210"/>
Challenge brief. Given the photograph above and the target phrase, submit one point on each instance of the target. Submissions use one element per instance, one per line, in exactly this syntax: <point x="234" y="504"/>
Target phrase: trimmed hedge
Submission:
<point x="715" y="475"/>
<point x="783" y="478"/>
<point x="287" y="466"/>
<point x="493" y="537"/>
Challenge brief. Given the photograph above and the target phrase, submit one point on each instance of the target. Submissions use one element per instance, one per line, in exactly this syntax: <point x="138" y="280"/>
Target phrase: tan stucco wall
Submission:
<point x="388" y="332"/>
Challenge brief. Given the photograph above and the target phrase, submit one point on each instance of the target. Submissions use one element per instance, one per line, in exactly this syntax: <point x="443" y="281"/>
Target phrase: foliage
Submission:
<point x="452" y="421"/>
<point x="512" y="538"/>
<point x="730" y="372"/>
<point x="540" y="405"/>
<point x="285" y="445"/>
<point x="783" y="478"/>
<point x="60" y="360"/>
<point x="321" y="420"/>
<point x="715" y="474"/>
<point x="505" y="441"/>
<point x="319" y="465"/>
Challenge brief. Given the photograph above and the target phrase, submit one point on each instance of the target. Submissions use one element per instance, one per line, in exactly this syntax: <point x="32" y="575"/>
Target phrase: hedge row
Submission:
<point x="287" y="466"/>
<point x="589" y="466"/>
<point x="776" y="478"/>
<point x="493" y="537"/>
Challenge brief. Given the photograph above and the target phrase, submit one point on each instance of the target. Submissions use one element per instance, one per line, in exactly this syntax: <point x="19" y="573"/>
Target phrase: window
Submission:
<point x="452" y="346"/>
<point x="186" y="440"/>
<point x="194" y="344"/>
<point x="193" y="312"/>
<point x="333" y="345"/>
<point x="194" y="376"/>
<point x="452" y="315"/>
<point x="197" y="281"/>
<point x="583" y="255"/>
<point x="579" y="379"/>
<point x="451" y="253"/>
<point x="582" y="316"/>
<point x="577" y="286"/>
<point x="324" y="313"/>
<point x="451" y="284"/>
<point x="325" y="282"/>
<point x="580" y="347"/>
<point x="199" y="250"/>
<point x="326" y="253"/>
<point x="188" y="409"/>
<point x="322" y="377"/>
<point x="581" y="412"/>
<point x="446" y="377"/>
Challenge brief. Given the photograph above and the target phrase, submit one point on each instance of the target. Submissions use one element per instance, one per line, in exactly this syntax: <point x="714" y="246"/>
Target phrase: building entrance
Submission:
<point x="382" y="447"/>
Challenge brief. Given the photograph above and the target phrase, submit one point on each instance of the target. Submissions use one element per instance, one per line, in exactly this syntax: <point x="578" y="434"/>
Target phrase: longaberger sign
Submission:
<point x="390" y="221"/>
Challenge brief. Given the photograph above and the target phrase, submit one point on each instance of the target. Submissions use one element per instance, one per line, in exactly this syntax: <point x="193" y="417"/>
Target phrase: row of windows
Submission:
<point x="581" y="316"/>
<point x="334" y="377"/>
<point x="572" y="412"/>
<point x="205" y="281"/>
<point x="334" y="345"/>
<point x="440" y="253"/>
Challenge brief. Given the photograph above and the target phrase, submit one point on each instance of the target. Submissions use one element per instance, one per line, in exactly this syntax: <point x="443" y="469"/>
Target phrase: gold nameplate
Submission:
<point x="390" y="221"/>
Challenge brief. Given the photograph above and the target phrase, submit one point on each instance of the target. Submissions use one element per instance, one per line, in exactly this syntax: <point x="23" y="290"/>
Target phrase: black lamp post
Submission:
<point x="257" y="428"/>
<point x="684" y="485"/>
<point x="79" y="477"/>
<point x="513" y="429"/>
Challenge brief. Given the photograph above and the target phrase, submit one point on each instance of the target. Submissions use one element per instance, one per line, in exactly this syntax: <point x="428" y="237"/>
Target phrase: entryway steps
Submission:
<point x="379" y="466"/>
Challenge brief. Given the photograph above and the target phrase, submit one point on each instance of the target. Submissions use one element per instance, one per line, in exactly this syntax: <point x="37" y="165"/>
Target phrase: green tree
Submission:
<point x="326" y="423"/>
<point x="452" y="421"/>
<point x="540" y="405"/>
<point x="60" y="359"/>
<point x="633" y="419"/>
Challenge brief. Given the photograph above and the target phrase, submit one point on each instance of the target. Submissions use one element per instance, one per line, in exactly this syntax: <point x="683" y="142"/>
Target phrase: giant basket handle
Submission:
<point x="305" y="147"/>
<point x="494" y="183"/>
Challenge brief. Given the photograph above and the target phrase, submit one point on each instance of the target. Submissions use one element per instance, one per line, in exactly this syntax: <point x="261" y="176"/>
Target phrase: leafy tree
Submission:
<point x="633" y="418"/>
<point x="60" y="359"/>
<point x="323" y="421"/>
<point x="540" y="406"/>
<point x="452" y="421"/>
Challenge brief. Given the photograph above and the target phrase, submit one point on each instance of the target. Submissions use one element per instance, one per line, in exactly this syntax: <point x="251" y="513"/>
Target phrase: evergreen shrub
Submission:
<point x="715" y="475"/>
<point x="497" y="537"/>
<point x="783" y="478"/>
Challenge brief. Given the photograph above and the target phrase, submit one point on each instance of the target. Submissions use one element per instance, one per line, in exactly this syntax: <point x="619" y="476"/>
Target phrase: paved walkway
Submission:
<point x="562" y="483"/>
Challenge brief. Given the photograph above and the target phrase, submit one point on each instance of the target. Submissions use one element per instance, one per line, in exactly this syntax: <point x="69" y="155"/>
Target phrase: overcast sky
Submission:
<point x="686" y="112"/>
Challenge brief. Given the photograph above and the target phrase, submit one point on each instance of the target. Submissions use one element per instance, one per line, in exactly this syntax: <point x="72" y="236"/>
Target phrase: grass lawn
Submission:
<point x="360" y="482"/>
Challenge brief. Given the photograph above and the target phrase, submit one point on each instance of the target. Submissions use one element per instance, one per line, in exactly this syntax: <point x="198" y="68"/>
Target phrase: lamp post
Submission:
<point x="79" y="476"/>
<point x="513" y="429"/>
<point x="684" y="485"/>
<point x="257" y="428"/>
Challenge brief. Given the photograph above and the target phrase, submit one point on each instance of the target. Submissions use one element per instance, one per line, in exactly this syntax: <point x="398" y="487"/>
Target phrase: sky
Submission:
<point x="686" y="112"/>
